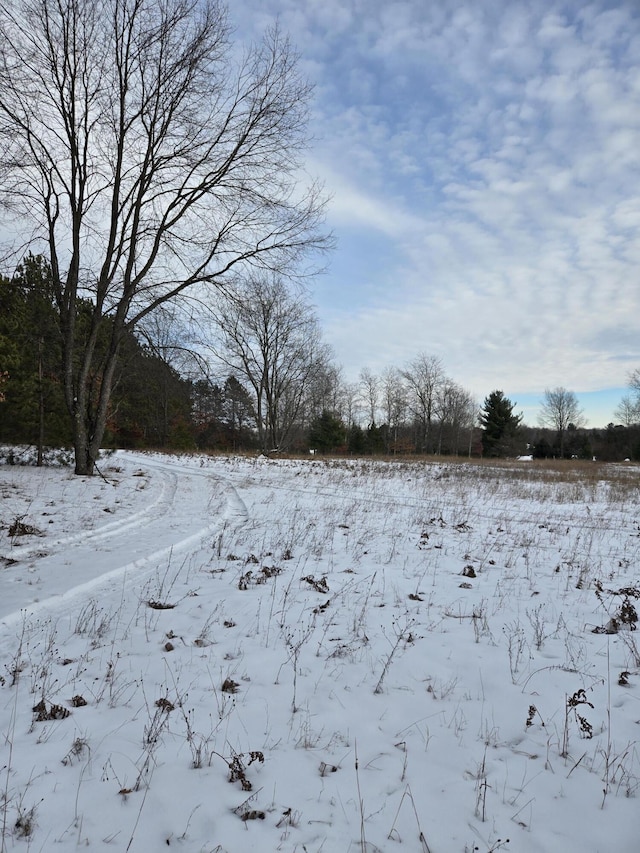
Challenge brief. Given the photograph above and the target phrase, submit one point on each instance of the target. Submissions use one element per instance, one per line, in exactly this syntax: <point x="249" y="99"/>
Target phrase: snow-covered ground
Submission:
<point x="211" y="654"/>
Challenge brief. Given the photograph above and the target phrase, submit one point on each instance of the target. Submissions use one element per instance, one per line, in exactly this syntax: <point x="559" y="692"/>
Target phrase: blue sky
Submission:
<point x="483" y="159"/>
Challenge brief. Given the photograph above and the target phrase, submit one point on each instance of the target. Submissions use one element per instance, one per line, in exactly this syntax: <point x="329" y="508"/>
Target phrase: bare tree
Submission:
<point x="394" y="399"/>
<point x="149" y="160"/>
<point x="628" y="411"/>
<point x="165" y="333"/>
<point x="370" y="394"/>
<point x="324" y="390"/>
<point x="270" y="337"/>
<point x="424" y="376"/>
<point x="560" y="408"/>
<point x="456" y="412"/>
<point x="634" y="381"/>
<point x="349" y="403"/>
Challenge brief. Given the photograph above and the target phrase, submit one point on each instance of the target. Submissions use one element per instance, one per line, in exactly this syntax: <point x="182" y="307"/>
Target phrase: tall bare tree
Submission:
<point x="634" y="381"/>
<point x="370" y="394"/>
<point x="349" y="403"/>
<point x="394" y="403"/>
<point x="269" y="336"/>
<point x="424" y="375"/>
<point x="456" y="412"/>
<point x="324" y="390"/>
<point x="628" y="411"/>
<point x="147" y="159"/>
<point x="559" y="409"/>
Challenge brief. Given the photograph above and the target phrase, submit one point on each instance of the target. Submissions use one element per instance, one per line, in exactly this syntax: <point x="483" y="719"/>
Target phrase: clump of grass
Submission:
<point x="19" y="527"/>
<point x="573" y="702"/>
<point x="25" y="824"/>
<point x="78" y="748"/>
<point x="53" y="712"/>
<point x="625" y="614"/>
<point x="93" y="621"/>
<point x="238" y="765"/>
<point x="250" y="578"/>
<point x="320" y="585"/>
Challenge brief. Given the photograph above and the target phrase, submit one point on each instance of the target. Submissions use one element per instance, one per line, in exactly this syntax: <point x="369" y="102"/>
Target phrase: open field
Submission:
<point x="226" y="654"/>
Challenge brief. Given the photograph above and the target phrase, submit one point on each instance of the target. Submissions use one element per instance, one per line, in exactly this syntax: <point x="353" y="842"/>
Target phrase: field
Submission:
<point x="215" y="655"/>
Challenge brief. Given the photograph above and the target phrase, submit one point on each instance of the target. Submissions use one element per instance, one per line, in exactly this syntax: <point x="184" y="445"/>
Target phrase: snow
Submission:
<point x="380" y="656"/>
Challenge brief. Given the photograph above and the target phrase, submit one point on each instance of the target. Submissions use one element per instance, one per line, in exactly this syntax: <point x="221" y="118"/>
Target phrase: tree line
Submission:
<point x="561" y="432"/>
<point x="258" y="377"/>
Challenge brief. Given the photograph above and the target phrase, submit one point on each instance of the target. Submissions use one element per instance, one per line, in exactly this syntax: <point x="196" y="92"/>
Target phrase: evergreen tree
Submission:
<point x="356" y="442"/>
<point x="327" y="433"/>
<point x="31" y="358"/>
<point x="240" y="414"/>
<point x="500" y="425"/>
<point x="224" y="416"/>
<point x="151" y="403"/>
<point x="375" y="439"/>
<point x="542" y="449"/>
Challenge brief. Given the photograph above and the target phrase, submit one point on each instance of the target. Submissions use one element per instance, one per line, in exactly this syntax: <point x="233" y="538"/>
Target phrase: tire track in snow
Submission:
<point x="229" y="511"/>
<point x="105" y="531"/>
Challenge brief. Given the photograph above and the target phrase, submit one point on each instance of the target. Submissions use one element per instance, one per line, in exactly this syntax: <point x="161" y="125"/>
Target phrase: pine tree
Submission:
<point x="327" y="433"/>
<point x="31" y="359"/>
<point x="500" y="425"/>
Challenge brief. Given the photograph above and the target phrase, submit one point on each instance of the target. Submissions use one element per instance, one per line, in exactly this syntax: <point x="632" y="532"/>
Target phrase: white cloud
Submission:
<point x="493" y="151"/>
<point x="355" y="208"/>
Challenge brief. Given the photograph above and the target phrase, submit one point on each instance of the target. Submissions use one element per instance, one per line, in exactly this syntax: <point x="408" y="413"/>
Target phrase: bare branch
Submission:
<point x="148" y="161"/>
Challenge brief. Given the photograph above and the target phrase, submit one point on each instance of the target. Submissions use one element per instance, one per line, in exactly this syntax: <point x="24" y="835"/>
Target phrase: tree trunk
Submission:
<point x="39" y="460"/>
<point x="90" y="419"/>
<point x="80" y="445"/>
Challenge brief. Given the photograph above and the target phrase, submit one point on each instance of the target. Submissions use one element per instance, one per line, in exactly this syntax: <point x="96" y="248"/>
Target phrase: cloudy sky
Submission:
<point x="483" y="160"/>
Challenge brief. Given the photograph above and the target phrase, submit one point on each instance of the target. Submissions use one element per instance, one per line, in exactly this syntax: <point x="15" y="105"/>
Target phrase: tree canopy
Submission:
<point x="270" y="337"/>
<point x="146" y="157"/>
<point x="560" y="410"/>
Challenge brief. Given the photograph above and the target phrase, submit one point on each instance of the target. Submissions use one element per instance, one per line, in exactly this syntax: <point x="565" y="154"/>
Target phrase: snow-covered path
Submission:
<point x="155" y="518"/>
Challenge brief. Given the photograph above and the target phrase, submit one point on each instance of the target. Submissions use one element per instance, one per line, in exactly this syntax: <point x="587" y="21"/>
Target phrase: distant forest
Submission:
<point x="166" y="396"/>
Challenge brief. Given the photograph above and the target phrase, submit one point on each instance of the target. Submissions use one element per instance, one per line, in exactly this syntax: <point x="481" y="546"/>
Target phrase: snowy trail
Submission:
<point x="110" y="558"/>
<point x="159" y="505"/>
